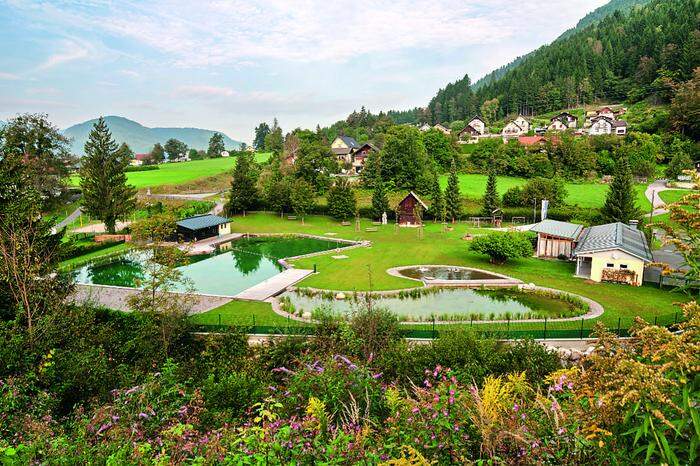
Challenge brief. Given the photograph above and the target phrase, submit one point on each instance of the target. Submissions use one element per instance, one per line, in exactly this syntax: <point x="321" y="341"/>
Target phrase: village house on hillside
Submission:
<point x="425" y="127"/>
<point x="603" y="125"/>
<point x="468" y="135"/>
<point x="562" y="122"/>
<point x="139" y="159"/>
<point x="444" y="130"/>
<point x="518" y="127"/>
<point x="477" y="124"/>
<point x="360" y="155"/>
<point x="342" y="147"/>
<point x="614" y="252"/>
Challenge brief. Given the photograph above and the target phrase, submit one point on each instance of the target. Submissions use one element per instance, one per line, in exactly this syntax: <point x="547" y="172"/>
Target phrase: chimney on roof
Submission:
<point x="634" y="223"/>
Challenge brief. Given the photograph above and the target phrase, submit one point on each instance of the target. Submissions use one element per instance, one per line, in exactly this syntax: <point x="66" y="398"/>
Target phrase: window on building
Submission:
<point x="623" y="266"/>
<point x="610" y="266"/>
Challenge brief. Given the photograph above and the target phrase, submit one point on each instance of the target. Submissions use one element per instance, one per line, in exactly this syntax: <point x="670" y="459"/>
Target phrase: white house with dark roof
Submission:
<point x="614" y="252"/>
<point x="601" y="125"/>
<point x="477" y="124"/>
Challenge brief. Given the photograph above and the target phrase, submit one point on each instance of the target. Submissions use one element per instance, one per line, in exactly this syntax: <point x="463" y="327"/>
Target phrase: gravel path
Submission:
<point x="652" y="193"/>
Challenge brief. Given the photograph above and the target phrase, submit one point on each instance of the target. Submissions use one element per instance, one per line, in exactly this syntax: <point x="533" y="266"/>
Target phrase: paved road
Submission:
<point x="68" y="220"/>
<point x="652" y="193"/>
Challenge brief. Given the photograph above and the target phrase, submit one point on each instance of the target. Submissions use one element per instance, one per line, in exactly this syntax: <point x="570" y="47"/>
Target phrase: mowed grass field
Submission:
<point x="673" y="195"/>
<point x="589" y="195"/>
<point x="182" y="172"/>
<point x="365" y="267"/>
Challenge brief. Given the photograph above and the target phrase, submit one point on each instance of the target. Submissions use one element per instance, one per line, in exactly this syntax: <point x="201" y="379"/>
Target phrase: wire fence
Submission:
<point x="507" y="330"/>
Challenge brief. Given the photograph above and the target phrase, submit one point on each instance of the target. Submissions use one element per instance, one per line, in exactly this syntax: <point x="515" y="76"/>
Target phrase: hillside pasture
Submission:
<point x="182" y="172"/>
<point x="587" y="195"/>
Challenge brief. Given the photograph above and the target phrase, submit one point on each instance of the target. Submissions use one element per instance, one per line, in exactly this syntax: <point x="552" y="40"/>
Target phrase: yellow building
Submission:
<point x="613" y="252"/>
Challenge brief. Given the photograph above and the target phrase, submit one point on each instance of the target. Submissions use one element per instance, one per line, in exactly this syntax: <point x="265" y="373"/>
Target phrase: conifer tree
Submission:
<point x="244" y="191"/>
<point x="437" y="209"/>
<point x="490" y="196"/>
<point x="380" y="201"/>
<point x="106" y="194"/>
<point x="620" y="203"/>
<point x="453" y="201"/>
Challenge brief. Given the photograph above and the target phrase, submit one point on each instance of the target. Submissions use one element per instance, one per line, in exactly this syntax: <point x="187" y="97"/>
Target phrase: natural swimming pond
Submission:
<point x="438" y="272"/>
<point x="445" y="304"/>
<point x="234" y="267"/>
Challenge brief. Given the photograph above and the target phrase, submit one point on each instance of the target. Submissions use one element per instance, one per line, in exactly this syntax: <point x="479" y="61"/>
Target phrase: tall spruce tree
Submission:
<point x="453" y="201"/>
<point x="437" y="208"/>
<point x="244" y="191"/>
<point x="620" y="203"/>
<point x="106" y="196"/>
<point x="490" y="196"/>
<point x="380" y="201"/>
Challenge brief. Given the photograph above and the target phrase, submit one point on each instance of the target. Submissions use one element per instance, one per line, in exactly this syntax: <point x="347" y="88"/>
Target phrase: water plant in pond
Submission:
<point x="451" y="304"/>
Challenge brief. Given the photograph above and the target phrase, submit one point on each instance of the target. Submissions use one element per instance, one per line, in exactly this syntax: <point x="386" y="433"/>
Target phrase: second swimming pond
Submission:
<point x="234" y="267"/>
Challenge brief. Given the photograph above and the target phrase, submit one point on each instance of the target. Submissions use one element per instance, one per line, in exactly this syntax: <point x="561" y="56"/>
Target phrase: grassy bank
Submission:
<point x="365" y="268"/>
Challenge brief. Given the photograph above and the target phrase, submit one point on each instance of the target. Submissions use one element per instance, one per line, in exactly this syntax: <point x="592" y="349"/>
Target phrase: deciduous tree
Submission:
<point x="176" y="148"/>
<point x="216" y="145"/>
<point x="302" y="198"/>
<point x="341" y="200"/>
<point x="43" y="149"/>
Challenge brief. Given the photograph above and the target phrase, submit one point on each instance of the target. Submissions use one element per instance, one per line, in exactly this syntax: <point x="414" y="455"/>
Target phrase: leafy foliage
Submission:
<point x="502" y="246"/>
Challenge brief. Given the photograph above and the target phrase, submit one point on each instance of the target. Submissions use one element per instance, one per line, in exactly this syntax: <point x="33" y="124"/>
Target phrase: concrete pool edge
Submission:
<point x="502" y="281"/>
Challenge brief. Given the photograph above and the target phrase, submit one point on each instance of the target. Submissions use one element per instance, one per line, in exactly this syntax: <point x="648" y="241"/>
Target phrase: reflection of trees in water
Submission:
<point x="247" y="261"/>
<point x="120" y="273"/>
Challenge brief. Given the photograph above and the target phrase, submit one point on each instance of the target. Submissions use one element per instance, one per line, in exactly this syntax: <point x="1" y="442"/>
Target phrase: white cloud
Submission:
<point x="202" y="91"/>
<point x="130" y="73"/>
<point x="70" y="50"/>
<point x="242" y="32"/>
<point x="8" y="76"/>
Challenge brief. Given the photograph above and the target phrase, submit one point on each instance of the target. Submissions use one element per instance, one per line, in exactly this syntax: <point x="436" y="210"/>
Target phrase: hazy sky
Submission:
<point x="227" y="65"/>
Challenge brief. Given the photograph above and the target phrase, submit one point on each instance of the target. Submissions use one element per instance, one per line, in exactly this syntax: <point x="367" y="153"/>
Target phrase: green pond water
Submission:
<point x="448" y="304"/>
<point x="233" y="268"/>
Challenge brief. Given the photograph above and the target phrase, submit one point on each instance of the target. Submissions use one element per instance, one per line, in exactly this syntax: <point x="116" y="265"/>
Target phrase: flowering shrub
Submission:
<point x="630" y="402"/>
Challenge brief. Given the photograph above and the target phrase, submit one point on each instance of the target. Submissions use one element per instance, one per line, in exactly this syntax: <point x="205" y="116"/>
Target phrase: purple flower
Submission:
<point x="104" y="427"/>
<point x="516" y="407"/>
<point x="143" y="415"/>
<point x="283" y="369"/>
<point x="376" y="376"/>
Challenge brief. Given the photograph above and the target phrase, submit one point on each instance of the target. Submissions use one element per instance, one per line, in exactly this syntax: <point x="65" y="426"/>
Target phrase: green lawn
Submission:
<point x="177" y="173"/>
<point x="242" y="313"/>
<point x="393" y="247"/>
<point x="673" y="195"/>
<point x="84" y="259"/>
<point x="591" y="195"/>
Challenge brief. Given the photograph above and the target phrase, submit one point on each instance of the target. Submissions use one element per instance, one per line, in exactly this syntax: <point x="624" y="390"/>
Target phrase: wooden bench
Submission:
<point x="345" y="224"/>
<point x="371" y="229"/>
<point x="376" y="223"/>
<point x="291" y="217"/>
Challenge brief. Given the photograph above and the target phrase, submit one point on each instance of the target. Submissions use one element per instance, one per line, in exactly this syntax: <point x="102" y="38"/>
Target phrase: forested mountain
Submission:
<point x="141" y="138"/>
<point x="621" y="56"/>
<point x="591" y="18"/>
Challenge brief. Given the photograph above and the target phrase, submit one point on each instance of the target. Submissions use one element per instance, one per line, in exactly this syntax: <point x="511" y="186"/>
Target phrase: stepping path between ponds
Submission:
<point x="116" y="297"/>
<point x="274" y="285"/>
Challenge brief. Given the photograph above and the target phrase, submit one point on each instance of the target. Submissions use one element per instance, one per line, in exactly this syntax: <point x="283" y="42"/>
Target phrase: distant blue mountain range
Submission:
<point x="141" y="138"/>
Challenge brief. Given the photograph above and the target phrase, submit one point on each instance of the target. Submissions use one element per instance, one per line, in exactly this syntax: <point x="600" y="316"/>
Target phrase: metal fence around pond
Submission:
<point x="545" y="330"/>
